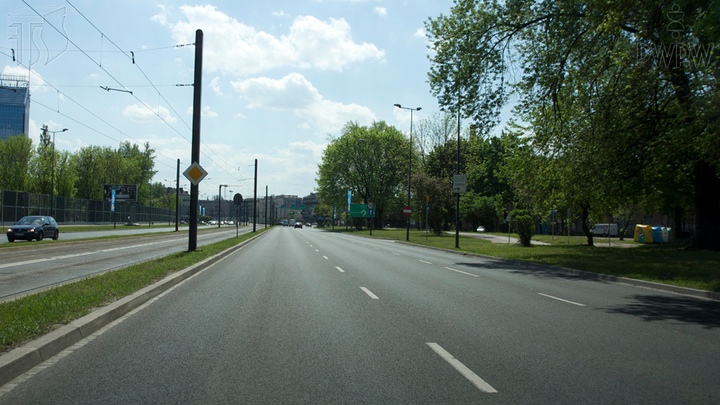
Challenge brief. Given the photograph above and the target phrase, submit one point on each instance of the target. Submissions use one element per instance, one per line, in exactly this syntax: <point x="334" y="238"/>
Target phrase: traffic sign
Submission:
<point x="407" y="211"/>
<point x="371" y="205"/>
<point x="361" y="211"/>
<point x="459" y="183"/>
<point x="195" y="173"/>
<point x="237" y="199"/>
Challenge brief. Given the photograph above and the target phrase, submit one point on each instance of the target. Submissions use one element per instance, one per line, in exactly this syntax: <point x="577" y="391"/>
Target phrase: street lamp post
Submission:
<point x="220" y="202"/>
<point x="52" y="178"/>
<point x="407" y="235"/>
<point x="372" y="185"/>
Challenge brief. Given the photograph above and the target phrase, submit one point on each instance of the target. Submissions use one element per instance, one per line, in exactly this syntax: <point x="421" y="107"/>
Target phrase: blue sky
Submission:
<point x="279" y="78"/>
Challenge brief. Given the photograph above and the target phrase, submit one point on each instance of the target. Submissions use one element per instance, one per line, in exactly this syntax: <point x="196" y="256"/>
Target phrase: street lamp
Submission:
<point x="372" y="185"/>
<point x="52" y="178"/>
<point x="407" y="235"/>
<point x="220" y="202"/>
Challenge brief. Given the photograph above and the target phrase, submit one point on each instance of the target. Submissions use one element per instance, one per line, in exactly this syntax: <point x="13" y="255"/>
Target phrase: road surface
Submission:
<point x="306" y="316"/>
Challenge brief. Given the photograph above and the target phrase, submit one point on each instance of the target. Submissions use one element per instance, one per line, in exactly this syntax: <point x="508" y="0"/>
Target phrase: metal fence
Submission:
<point x="16" y="204"/>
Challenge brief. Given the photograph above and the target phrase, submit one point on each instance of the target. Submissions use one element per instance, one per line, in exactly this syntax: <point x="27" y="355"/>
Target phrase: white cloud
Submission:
<point x="140" y="113"/>
<point x="420" y="33"/>
<point x="233" y="47"/>
<point x="215" y="85"/>
<point x="239" y="115"/>
<point x="304" y="125"/>
<point x="279" y="13"/>
<point x="294" y="93"/>
<point x="381" y="11"/>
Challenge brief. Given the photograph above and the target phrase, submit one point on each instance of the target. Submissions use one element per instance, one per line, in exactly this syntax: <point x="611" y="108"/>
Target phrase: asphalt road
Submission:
<point x="121" y="230"/>
<point x="26" y="267"/>
<point x="305" y="316"/>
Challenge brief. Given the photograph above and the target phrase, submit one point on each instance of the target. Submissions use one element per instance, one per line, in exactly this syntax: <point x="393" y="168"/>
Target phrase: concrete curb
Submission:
<point x="18" y="361"/>
<point x="589" y="275"/>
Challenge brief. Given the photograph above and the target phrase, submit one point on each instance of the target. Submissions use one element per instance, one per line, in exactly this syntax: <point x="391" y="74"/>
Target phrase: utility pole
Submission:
<point x="255" y="200"/>
<point x="195" y="156"/>
<point x="177" y="197"/>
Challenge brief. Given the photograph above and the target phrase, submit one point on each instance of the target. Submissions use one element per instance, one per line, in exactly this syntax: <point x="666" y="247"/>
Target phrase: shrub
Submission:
<point x="524" y="225"/>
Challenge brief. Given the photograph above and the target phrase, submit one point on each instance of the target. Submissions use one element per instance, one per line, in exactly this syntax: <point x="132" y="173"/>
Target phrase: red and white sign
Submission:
<point x="407" y="211"/>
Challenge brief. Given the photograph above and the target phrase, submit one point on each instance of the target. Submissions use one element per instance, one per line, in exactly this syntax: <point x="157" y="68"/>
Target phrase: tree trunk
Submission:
<point x="707" y="203"/>
<point x="585" y="225"/>
<point x="677" y="224"/>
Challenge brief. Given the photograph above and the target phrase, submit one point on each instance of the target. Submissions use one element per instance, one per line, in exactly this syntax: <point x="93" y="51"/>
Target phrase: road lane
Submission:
<point x="276" y="322"/>
<point x="27" y="269"/>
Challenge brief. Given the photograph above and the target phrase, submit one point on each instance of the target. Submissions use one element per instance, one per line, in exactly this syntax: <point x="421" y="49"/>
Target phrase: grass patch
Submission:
<point x="34" y="315"/>
<point x="670" y="263"/>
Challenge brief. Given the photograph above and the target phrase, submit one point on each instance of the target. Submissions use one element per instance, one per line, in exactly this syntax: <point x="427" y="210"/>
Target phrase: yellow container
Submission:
<point x="643" y="234"/>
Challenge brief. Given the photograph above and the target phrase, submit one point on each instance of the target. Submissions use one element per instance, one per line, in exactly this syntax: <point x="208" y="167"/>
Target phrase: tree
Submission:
<point x="439" y="191"/>
<point x="41" y="166"/>
<point x="616" y="68"/>
<point x="368" y="161"/>
<point x="16" y="152"/>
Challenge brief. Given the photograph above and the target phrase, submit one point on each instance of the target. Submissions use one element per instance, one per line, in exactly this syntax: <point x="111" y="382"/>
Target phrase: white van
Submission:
<point x="604" y="230"/>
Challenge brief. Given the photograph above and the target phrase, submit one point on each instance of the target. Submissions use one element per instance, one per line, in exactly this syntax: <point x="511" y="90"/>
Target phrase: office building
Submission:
<point x="14" y="106"/>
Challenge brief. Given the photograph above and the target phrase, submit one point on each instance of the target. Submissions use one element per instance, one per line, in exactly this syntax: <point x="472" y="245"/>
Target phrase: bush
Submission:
<point x="524" y="225"/>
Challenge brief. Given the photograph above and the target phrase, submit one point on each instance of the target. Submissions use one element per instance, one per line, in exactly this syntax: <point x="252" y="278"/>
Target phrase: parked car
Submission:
<point x="34" y="227"/>
<point x="298" y="225"/>
<point x="604" y="230"/>
<point x="480" y="229"/>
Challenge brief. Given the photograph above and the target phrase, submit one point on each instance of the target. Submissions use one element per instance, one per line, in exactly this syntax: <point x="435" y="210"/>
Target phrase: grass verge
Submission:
<point x="34" y="315"/>
<point x="670" y="264"/>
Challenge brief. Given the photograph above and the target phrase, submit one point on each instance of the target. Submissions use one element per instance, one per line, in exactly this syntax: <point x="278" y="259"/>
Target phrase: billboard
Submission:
<point x="123" y="193"/>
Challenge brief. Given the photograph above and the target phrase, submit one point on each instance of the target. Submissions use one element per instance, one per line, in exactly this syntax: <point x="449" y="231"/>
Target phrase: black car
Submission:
<point x="298" y="225"/>
<point x="34" y="227"/>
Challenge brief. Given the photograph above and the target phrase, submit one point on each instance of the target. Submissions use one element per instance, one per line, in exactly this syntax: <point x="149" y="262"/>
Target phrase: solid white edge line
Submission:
<point x="560" y="299"/>
<point x="469" y="274"/>
<point x="339" y="269"/>
<point x="466" y="372"/>
<point x="368" y="292"/>
<point x="425" y="262"/>
<point x="326" y="258"/>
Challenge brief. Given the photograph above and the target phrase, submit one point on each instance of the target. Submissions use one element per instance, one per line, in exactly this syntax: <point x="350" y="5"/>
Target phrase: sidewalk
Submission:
<point x="496" y="239"/>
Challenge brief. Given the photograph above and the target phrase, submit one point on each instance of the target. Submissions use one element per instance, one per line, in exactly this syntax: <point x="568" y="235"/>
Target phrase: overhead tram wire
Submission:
<point x="120" y="84"/>
<point x="89" y="112"/>
<point x="124" y="87"/>
<point x="131" y="57"/>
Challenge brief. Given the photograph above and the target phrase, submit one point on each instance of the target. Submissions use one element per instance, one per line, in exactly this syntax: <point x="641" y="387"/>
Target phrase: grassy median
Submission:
<point x="32" y="316"/>
<point x="669" y="263"/>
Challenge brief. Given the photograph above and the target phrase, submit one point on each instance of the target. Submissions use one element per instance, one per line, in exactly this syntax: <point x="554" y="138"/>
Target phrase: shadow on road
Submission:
<point x="536" y="270"/>
<point x="682" y="309"/>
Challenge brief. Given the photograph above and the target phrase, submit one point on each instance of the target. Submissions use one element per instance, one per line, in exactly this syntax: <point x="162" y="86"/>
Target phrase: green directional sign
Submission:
<point x="361" y="211"/>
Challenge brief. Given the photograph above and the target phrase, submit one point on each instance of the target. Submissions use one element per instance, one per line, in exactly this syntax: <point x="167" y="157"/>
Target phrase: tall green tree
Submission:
<point x="637" y="85"/>
<point x="371" y="162"/>
<point x="16" y="152"/>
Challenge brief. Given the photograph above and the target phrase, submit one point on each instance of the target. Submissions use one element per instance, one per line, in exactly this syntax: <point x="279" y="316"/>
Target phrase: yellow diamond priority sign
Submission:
<point x="195" y="173"/>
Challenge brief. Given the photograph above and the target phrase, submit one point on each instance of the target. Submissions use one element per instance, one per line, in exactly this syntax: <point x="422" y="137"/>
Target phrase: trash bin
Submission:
<point x="657" y="234"/>
<point x="665" y="235"/>
<point x="643" y="234"/>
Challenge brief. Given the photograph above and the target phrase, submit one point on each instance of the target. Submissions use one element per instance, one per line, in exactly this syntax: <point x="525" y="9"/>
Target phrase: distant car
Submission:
<point x="308" y="225"/>
<point x="480" y="229"/>
<point x="298" y="225"/>
<point x="34" y="227"/>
